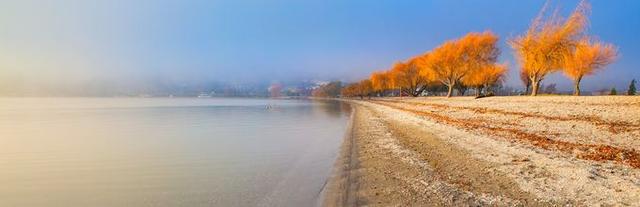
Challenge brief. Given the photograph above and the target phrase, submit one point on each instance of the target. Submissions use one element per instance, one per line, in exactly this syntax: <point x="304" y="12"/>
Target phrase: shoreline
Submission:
<point x="342" y="181"/>
<point x="391" y="156"/>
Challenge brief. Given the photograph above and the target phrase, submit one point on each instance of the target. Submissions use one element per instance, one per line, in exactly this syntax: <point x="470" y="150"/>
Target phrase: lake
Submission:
<point x="167" y="151"/>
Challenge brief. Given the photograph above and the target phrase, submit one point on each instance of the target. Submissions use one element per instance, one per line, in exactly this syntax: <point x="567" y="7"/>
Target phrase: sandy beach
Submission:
<point x="502" y="151"/>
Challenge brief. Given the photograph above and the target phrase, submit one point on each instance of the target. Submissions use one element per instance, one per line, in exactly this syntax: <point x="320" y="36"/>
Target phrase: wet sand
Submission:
<point x="412" y="152"/>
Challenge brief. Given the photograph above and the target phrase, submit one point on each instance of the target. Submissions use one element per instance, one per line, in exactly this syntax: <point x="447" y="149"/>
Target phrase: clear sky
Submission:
<point x="77" y="41"/>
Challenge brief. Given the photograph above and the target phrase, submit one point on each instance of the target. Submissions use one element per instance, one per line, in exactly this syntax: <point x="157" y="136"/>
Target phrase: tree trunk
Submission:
<point x="450" y="90"/>
<point x="535" y="84"/>
<point x="576" y="88"/>
<point x="462" y="91"/>
<point x="477" y="91"/>
<point x="420" y="90"/>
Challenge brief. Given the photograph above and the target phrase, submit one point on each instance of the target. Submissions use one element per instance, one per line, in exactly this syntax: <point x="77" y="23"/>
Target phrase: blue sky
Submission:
<point x="74" y="41"/>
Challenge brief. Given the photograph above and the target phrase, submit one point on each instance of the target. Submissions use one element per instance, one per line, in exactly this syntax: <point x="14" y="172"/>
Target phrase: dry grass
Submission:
<point x="594" y="152"/>
<point x="613" y="126"/>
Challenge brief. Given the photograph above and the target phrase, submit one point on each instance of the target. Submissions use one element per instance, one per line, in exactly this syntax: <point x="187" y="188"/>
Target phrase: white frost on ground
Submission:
<point x="426" y="182"/>
<point x="547" y="174"/>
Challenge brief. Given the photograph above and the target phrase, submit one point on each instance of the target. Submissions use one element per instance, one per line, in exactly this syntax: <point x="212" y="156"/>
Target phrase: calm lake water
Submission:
<point x="167" y="152"/>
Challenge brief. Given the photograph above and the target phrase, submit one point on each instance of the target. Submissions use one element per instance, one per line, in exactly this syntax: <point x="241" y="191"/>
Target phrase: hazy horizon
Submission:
<point x="64" y="45"/>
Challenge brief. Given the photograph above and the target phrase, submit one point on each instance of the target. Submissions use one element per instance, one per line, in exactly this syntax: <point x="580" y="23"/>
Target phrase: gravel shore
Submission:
<point x="502" y="151"/>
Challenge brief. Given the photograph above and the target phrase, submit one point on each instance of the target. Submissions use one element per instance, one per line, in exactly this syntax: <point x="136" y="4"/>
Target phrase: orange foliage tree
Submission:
<point x="586" y="59"/>
<point x="406" y="76"/>
<point x="541" y="49"/>
<point x="453" y="60"/>
<point x="365" y="88"/>
<point x="349" y="90"/>
<point x="443" y="64"/>
<point x="360" y="89"/>
<point x="380" y="82"/>
<point x="485" y="77"/>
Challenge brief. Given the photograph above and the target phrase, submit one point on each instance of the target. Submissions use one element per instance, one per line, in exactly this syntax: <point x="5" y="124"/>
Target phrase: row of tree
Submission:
<point x="457" y="64"/>
<point x="551" y="44"/>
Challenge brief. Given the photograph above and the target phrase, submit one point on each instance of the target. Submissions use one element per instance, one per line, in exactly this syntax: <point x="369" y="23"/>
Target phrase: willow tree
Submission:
<point x="365" y="88"/>
<point x="453" y="60"/>
<point x="445" y="66"/>
<point x="587" y="58"/>
<point x="380" y="81"/>
<point x="351" y="90"/>
<point x="541" y="49"/>
<point x="406" y="76"/>
<point x="486" y="77"/>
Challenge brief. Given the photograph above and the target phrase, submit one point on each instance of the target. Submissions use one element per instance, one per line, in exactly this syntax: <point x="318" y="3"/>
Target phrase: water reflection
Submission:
<point x="333" y="108"/>
<point x="166" y="152"/>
